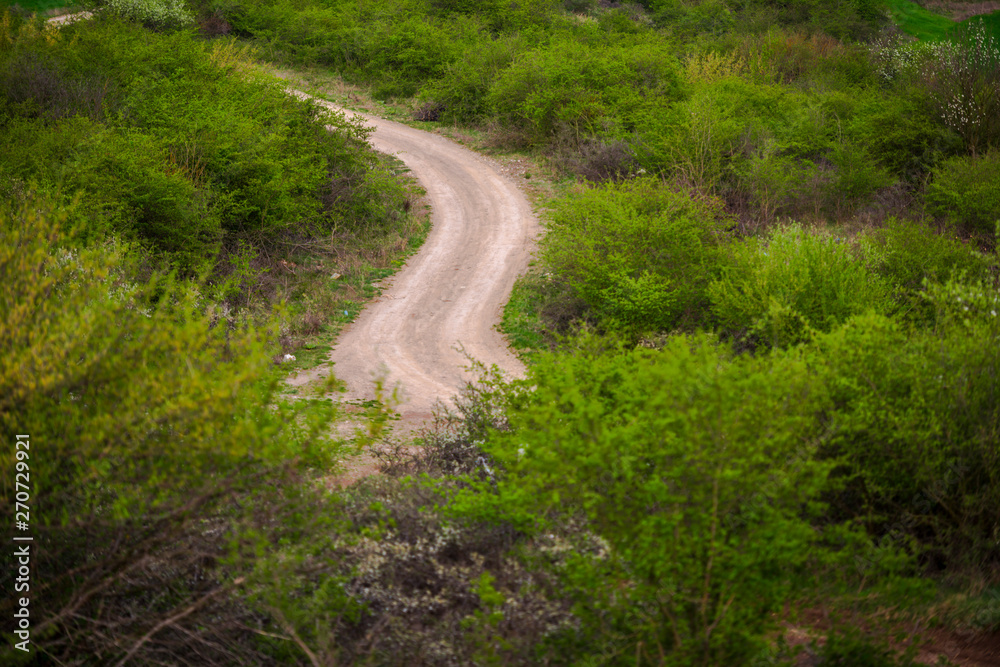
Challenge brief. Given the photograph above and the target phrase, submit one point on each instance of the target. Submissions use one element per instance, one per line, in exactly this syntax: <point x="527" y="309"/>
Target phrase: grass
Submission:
<point x="991" y="21"/>
<point x="924" y="24"/>
<point x="39" y="6"/>
<point x="521" y="321"/>
<point x="917" y="21"/>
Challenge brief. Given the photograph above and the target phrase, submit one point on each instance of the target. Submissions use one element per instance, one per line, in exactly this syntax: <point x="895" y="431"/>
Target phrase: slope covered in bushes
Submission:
<point x="765" y="383"/>
<point x="767" y="316"/>
<point x="179" y="144"/>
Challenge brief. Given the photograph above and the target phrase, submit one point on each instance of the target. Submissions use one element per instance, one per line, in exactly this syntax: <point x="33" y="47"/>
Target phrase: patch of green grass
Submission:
<point x="917" y="21"/>
<point x="521" y="321"/>
<point x="991" y="21"/>
<point x="311" y="355"/>
<point x="39" y="6"/>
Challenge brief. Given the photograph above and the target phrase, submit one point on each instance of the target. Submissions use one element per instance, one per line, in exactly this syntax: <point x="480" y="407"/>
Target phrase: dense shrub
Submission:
<point x="705" y="141"/>
<point x="128" y="190"/>
<point x="961" y="76"/>
<point x="639" y="253"/>
<point x="155" y="14"/>
<point x="697" y="490"/>
<point x="578" y="90"/>
<point x="180" y="145"/>
<point x="916" y="422"/>
<point x="146" y="413"/>
<point x="911" y="254"/>
<point x="781" y="289"/>
<point x="965" y="191"/>
<point x="965" y="83"/>
<point x="901" y="133"/>
<point x="463" y="88"/>
<point x="855" y="179"/>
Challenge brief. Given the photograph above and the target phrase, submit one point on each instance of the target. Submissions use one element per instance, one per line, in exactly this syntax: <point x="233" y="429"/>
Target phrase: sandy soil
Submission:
<point x="69" y="18"/>
<point x="451" y="293"/>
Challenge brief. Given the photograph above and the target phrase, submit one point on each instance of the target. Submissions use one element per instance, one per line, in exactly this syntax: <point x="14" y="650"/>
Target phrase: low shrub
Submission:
<point x="639" y="254"/>
<point x="149" y="415"/>
<point x="154" y="14"/>
<point x="965" y="83"/>
<point x="901" y="133"/>
<point x="965" y="191"/>
<point x="911" y="254"/>
<point x="181" y="145"/>
<point x="463" y="87"/>
<point x="582" y="90"/>
<point x="697" y="491"/>
<point x="856" y="177"/>
<point x="781" y="289"/>
<point x="915" y="422"/>
<point x="961" y="76"/>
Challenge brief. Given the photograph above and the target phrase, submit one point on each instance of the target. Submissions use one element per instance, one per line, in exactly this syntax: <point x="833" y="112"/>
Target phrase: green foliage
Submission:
<point x="964" y="80"/>
<point x="782" y="289"/>
<point x="576" y="89"/>
<point x="182" y="146"/>
<point x="697" y="491"/>
<point x="155" y="14"/>
<point x="128" y="188"/>
<point x="856" y="178"/>
<point x="910" y="254"/>
<point x="965" y="191"/>
<point x="146" y="411"/>
<point x="407" y="53"/>
<point x="901" y="133"/>
<point x="847" y="647"/>
<point x="465" y="83"/>
<point x="773" y="181"/>
<point x="639" y="254"/>
<point x="916" y="425"/>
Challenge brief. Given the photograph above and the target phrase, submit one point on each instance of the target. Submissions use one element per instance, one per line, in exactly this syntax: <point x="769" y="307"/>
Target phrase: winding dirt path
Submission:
<point x="449" y="294"/>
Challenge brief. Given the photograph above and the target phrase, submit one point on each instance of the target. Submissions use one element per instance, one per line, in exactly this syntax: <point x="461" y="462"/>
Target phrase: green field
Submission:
<point x="924" y="24"/>
<point x="992" y="22"/>
<point x="38" y="5"/>
<point x="917" y="21"/>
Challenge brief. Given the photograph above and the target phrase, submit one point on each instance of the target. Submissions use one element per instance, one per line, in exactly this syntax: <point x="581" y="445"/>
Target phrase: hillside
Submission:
<point x="760" y="422"/>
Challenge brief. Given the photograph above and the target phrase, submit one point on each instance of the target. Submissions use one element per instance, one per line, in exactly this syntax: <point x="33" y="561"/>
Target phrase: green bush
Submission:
<point x="579" y="90"/>
<point x="910" y="254"/>
<point x="124" y="183"/>
<point x="182" y="145"/>
<point x="901" y="133"/>
<point x="407" y="53"/>
<point x="847" y="647"/>
<point x="856" y="177"/>
<point x="733" y="134"/>
<point x="965" y="191"/>
<point x="697" y="490"/>
<point x="915" y="422"/>
<point x="463" y="87"/>
<point x="638" y="253"/>
<point x="774" y="182"/>
<point x="155" y="14"/>
<point x="961" y="75"/>
<point x="147" y="414"/>
<point x="781" y="289"/>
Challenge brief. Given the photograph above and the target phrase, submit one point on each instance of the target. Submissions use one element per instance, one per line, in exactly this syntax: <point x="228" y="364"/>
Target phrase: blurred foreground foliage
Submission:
<point x="151" y="421"/>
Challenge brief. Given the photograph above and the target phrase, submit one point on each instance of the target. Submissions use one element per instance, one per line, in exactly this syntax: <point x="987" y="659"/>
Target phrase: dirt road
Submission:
<point x="452" y="291"/>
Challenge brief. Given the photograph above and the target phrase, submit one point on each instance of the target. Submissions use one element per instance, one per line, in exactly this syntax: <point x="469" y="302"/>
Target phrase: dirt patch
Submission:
<point x="960" y="11"/>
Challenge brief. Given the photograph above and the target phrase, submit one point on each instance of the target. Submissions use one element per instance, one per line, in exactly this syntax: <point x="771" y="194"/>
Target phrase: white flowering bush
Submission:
<point x="963" y="76"/>
<point x="156" y="14"/>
